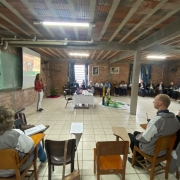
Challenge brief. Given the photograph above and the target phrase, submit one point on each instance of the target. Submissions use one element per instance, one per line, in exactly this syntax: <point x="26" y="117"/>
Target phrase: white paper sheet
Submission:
<point x="76" y="128"/>
<point x="35" y="130"/>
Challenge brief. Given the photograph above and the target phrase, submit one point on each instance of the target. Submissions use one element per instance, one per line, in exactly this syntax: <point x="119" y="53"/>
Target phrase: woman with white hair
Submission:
<point x="15" y="139"/>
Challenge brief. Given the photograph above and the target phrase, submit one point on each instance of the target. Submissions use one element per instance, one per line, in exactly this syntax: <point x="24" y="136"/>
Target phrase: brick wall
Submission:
<point x="103" y="72"/>
<point x="58" y="75"/>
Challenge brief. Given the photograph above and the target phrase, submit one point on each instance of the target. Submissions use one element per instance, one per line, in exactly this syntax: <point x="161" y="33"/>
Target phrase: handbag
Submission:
<point x="75" y="175"/>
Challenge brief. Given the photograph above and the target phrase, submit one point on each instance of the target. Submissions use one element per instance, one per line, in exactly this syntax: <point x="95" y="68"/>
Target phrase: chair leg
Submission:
<point x="72" y="166"/>
<point x="49" y="172"/>
<point x="53" y="167"/>
<point x="167" y="171"/>
<point x="133" y="157"/>
<point x="123" y="176"/>
<point x="43" y="143"/>
<point x="35" y="170"/>
<point x="152" y="171"/>
<point x="177" y="174"/>
<point x="98" y="176"/>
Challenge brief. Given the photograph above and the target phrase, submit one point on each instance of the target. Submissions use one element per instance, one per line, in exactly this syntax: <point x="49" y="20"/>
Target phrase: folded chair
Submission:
<point x="107" y="159"/>
<point x="163" y="143"/>
<point x="67" y="99"/>
<point x="9" y="159"/>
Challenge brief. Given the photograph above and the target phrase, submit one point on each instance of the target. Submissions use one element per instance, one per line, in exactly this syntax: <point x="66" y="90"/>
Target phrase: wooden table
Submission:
<point x="120" y="132"/>
<point x="37" y="138"/>
<point x="144" y="126"/>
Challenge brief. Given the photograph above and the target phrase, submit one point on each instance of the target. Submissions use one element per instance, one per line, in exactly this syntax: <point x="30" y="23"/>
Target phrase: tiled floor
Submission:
<point x="98" y="122"/>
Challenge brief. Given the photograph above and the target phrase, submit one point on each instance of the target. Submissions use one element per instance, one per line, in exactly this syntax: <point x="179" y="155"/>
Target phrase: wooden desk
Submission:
<point x="37" y="138"/>
<point x="120" y="132"/>
<point x="144" y="126"/>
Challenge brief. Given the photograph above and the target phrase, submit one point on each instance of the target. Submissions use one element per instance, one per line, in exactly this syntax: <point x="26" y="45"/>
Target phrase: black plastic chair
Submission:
<point x="67" y="99"/>
<point x="55" y="154"/>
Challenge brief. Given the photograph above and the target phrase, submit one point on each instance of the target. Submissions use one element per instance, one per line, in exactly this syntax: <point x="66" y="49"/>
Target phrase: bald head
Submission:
<point x="165" y="99"/>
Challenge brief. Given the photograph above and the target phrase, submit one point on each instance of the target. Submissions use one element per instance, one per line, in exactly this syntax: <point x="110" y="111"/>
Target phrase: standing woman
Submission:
<point x="38" y="83"/>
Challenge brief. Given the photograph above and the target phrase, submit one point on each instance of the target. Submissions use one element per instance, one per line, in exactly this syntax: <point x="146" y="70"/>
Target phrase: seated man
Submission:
<point x="99" y="86"/>
<point x="16" y="139"/>
<point x="171" y="89"/>
<point x="160" y="88"/>
<point x="151" y="88"/>
<point x="123" y="88"/>
<point x="79" y="91"/>
<point x="91" y="87"/>
<point x="142" y="89"/>
<point x="107" y="86"/>
<point x="75" y="85"/>
<point x="165" y="123"/>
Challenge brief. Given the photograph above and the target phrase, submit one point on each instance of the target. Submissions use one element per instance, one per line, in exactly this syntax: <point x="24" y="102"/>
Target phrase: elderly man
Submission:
<point x="164" y="123"/>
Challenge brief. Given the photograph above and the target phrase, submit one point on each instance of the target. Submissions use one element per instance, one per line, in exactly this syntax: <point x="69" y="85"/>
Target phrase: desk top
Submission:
<point x="121" y="132"/>
<point x="144" y="126"/>
<point x="37" y="138"/>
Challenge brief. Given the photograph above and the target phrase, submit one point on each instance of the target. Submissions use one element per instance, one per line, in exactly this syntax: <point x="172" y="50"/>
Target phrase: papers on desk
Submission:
<point x="35" y="130"/>
<point x="86" y="93"/>
<point x="76" y="128"/>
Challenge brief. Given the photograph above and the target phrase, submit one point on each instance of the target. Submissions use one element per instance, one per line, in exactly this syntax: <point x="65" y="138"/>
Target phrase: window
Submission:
<point x="79" y="73"/>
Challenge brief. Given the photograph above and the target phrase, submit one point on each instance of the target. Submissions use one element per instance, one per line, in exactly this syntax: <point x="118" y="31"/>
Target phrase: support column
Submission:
<point x="135" y="82"/>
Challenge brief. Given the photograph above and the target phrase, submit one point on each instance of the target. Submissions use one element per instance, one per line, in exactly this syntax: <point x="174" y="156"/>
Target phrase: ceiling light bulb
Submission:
<point x="66" y="24"/>
<point x="156" y="57"/>
<point x="79" y="54"/>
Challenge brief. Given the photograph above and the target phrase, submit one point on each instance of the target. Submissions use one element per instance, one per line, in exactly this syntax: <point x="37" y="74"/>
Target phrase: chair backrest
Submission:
<point x="10" y="159"/>
<point x="56" y="149"/>
<point x="110" y="148"/>
<point x="65" y="94"/>
<point x="21" y="116"/>
<point x="165" y="143"/>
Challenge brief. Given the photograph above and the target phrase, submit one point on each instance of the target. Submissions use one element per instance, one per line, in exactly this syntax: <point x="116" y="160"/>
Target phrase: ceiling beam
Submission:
<point x="51" y="9"/>
<point x="30" y="8"/>
<point x="92" y="9"/>
<point x="130" y="13"/>
<point x="79" y="60"/>
<point x="162" y="30"/>
<point x="170" y="31"/>
<point x="20" y="16"/>
<point x="112" y="46"/>
<point x="144" y="19"/>
<point x="108" y="19"/>
<point x="12" y="23"/>
<point x="73" y="16"/>
<point x="9" y="30"/>
<point x="162" y="49"/>
<point x="122" y="56"/>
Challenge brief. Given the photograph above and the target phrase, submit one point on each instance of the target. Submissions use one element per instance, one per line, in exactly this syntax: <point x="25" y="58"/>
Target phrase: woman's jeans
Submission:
<point x="41" y="153"/>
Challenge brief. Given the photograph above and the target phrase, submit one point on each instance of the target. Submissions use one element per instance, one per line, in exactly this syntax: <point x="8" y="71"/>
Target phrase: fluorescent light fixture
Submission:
<point x="65" y="24"/>
<point x="79" y="54"/>
<point x="156" y="57"/>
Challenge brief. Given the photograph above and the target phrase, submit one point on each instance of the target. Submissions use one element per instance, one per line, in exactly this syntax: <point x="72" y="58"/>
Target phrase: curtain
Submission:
<point x="130" y="74"/>
<point x="71" y="76"/>
<point x="86" y="73"/>
<point x="145" y="73"/>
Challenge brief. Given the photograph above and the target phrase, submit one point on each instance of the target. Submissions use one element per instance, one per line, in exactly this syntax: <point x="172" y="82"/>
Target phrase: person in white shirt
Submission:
<point x="16" y="139"/>
<point x="151" y="88"/>
<point x="142" y="89"/>
<point x="123" y="88"/>
<point x="99" y="87"/>
<point x="91" y="87"/>
<point x="160" y="87"/>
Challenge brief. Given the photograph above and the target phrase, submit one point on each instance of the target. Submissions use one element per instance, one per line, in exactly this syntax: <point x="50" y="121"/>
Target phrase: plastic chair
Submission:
<point x="11" y="160"/>
<point x="55" y="154"/>
<point x="107" y="159"/>
<point x="67" y="99"/>
<point x="163" y="143"/>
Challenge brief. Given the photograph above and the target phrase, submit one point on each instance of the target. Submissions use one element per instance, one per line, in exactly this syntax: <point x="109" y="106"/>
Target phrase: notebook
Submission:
<point x="35" y="130"/>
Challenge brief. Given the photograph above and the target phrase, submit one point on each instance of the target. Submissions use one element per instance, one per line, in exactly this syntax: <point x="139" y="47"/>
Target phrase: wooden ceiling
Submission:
<point x="118" y="28"/>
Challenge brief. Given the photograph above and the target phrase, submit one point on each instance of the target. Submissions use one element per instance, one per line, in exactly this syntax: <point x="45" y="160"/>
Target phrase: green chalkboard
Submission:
<point x="10" y="71"/>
